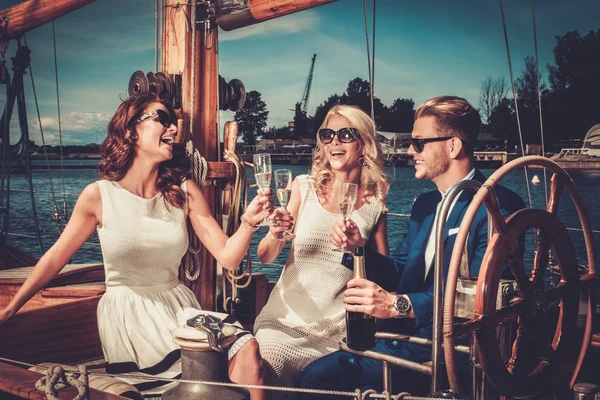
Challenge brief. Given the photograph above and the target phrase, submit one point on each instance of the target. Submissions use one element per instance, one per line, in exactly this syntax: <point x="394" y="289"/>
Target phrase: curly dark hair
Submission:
<point x="118" y="149"/>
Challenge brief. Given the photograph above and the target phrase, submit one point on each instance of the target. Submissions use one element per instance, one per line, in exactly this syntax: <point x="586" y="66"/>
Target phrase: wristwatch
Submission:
<point x="402" y="304"/>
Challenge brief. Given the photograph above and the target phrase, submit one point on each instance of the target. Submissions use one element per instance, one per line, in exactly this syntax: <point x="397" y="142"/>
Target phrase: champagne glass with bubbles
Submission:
<point x="348" y="195"/>
<point x="283" y="186"/>
<point x="262" y="173"/>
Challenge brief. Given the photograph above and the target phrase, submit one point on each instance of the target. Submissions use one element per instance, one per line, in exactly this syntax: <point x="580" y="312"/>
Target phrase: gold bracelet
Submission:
<point x="248" y="225"/>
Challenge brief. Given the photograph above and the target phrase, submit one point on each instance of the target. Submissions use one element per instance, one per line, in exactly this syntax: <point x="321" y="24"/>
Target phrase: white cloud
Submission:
<point x="76" y="127"/>
<point x="291" y="24"/>
<point x="76" y="121"/>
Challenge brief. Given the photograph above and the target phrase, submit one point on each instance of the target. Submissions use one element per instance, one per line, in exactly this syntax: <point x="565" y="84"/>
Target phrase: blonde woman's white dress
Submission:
<point x="304" y="317"/>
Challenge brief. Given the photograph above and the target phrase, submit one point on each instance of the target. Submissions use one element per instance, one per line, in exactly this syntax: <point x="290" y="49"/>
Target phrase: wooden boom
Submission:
<point x="235" y="14"/>
<point x="28" y="15"/>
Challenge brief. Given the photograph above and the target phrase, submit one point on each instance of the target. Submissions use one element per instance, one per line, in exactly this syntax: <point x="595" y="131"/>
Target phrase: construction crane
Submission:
<point x="304" y="103"/>
<point x="300" y="117"/>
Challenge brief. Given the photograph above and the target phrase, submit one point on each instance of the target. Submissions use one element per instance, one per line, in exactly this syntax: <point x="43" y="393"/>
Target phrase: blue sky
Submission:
<point x="424" y="48"/>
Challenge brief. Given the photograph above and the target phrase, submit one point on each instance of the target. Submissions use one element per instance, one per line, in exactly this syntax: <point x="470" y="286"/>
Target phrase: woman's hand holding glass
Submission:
<point x="346" y="235"/>
<point x="347" y="201"/>
<point x="262" y="173"/>
<point x="283" y="186"/>
<point x="282" y="224"/>
<point x="260" y="207"/>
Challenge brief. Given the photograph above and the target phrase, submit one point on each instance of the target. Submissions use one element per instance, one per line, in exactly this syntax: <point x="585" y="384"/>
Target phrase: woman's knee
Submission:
<point x="251" y="348"/>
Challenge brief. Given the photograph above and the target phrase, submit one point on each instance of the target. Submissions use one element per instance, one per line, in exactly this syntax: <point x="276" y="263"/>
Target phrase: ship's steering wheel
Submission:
<point x="543" y="357"/>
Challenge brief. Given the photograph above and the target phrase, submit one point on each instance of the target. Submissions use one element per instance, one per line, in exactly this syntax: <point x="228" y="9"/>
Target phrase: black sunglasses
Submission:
<point x="345" y="135"/>
<point x="164" y="118"/>
<point x="419" y="144"/>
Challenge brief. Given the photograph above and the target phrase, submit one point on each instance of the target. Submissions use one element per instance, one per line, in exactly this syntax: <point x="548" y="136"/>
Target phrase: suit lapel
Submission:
<point x="414" y="273"/>
<point x="461" y="205"/>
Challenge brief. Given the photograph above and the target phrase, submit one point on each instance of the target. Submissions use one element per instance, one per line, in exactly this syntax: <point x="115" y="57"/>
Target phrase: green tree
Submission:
<point x="252" y="118"/>
<point x="502" y="123"/>
<point x="324" y="108"/>
<point x="281" y="132"/>
<point x="526" y="85"/>
<point x="575" y="83"/>
<point x="401" y="116"/>
<point x="491" y="93"/>
<point x="527" y="95"/>
<point x="358" y="93"/>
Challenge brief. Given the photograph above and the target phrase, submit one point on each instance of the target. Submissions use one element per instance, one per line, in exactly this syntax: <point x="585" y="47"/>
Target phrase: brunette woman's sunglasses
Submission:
<point x="345" y="135"/>
<point x="419" y="144"/>
<point x="164" y="118"/>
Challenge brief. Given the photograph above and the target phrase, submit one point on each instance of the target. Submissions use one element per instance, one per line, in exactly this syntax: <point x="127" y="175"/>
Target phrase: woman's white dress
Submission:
<point x="304" y="317"/>
<point x="143" y="241"/>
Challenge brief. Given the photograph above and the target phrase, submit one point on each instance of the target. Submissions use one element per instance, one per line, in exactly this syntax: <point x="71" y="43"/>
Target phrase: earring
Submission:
<point x="362" y="162"/>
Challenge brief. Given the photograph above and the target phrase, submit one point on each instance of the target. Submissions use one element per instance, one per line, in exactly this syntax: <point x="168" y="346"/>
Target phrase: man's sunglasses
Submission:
<point x="345" y="135"/>
<point x="419" y="144"/>
<point x="164" y="118"/>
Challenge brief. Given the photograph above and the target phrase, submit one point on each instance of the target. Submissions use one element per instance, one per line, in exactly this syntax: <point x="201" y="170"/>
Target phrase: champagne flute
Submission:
<point x="283" y="186"/>
<point x="262" y="173"/>
<point x="348" y="195"/>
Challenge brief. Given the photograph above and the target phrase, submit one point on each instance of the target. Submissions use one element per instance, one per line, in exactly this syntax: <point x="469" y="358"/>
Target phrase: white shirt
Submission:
<point x="430" y="249"/>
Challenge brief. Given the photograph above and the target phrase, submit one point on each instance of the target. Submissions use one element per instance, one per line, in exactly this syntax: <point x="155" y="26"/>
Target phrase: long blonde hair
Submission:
<point x="373" y="181"/>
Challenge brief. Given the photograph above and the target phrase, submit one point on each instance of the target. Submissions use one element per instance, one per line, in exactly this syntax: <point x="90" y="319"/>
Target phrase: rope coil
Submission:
<point x="197" y="167"/>
<point x="239" y="201"/>
<point x="56" y="379"/>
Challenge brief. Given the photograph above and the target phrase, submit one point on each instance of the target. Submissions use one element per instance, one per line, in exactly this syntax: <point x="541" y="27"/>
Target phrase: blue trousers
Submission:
<point x="344" y="371"/>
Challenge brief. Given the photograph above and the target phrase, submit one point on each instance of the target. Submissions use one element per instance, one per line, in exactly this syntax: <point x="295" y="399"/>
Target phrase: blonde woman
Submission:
<point x="304" y="317"/>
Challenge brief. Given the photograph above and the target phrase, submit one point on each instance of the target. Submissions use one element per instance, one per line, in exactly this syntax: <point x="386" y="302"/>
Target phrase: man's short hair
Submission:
<point x="454" y="116"/>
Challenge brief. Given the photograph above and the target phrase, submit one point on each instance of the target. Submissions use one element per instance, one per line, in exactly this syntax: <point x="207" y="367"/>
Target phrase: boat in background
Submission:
<point x="585" y="157"/>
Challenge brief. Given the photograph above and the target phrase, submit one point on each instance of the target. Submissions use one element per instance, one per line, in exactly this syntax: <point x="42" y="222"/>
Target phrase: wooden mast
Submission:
<point x="30" y="14"/>
<point x="205" y="135"/>
<point x="192" y="53"/>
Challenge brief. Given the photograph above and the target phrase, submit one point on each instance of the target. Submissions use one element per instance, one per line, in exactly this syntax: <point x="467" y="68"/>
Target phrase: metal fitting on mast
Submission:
<point x="205" y="19"/>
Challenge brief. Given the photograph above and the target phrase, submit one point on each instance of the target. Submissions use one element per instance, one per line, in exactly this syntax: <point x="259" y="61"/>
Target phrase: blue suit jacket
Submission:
<point x="404" y="270"/>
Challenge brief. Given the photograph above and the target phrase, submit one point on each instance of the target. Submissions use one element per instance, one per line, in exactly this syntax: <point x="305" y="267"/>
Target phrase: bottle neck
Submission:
<point x="359" y="263"/>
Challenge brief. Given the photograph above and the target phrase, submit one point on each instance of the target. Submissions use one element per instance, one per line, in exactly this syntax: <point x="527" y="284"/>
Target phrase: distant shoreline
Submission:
<point x="90" y="161"/>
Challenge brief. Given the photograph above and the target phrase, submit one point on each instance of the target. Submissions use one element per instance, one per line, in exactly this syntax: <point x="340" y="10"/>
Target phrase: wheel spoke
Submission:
<point x="557" y="186"/>
<point x="489" y="321"/>
<point x="517" y="268"/>
<point x="493" y="208"/>
<point x="540" y="261"/>
<point x="558" y="292"/>
<point x="515" y="357"/>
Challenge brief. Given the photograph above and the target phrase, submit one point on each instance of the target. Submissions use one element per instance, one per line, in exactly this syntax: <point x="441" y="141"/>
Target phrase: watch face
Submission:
<point x="402" y="304"/>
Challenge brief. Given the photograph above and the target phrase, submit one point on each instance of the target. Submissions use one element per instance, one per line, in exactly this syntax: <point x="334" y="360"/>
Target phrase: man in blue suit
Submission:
<point x="399" y="289"/>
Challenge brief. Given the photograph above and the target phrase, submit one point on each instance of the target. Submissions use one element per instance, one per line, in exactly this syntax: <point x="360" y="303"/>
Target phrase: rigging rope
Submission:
<point x="366" y="15"/>
<point x="373" y="58"/>
<point x="512" y="83"/>
<point x="539" y="94"/>
<point x="62" y="169"/>
<point x="37" y="107"/>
